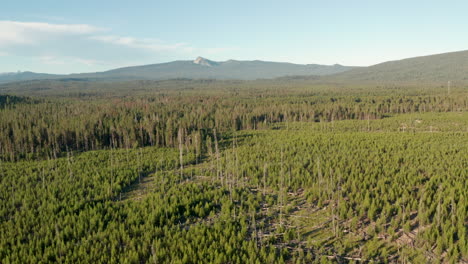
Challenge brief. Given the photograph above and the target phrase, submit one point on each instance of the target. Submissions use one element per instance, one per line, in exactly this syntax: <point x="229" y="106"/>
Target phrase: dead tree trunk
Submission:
<point x="217" y="154"/>
<point x="181" y="150"/>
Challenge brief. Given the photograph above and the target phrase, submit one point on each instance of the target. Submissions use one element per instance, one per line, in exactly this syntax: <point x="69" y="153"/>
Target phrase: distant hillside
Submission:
<point x="25" y="76"/>
<point x="441" y="68"/>
<point x="206" y="69"/>
<point x="199" y="68"/>
<point x="438" y="68"/>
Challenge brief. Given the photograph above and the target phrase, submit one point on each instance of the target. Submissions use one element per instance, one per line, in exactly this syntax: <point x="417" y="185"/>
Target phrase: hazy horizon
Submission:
<point x="63" y="38"/>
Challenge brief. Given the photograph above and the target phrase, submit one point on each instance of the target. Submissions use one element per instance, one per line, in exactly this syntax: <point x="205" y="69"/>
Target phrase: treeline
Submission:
<point x="9" y="101"/>
<point x="57" y="125"/>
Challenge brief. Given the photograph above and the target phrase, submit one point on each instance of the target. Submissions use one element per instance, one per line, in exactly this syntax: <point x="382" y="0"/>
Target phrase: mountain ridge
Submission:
<point x="200" y="68"/>
<point x="437" y="68"/>
<point x="442" y="67"/>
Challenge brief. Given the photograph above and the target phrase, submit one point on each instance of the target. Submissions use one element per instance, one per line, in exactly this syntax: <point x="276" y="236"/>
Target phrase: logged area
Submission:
<point x="202" y="171"/>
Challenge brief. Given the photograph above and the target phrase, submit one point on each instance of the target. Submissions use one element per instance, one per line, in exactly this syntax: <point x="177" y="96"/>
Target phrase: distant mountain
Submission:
<point x="204" y="62"/>
<point x="200" y="68"/>
<point x="438" y="68"/>
<point x="24" y="76"/>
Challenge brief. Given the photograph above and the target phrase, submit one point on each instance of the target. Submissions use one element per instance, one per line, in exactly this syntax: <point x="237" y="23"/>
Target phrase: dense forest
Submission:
<point x="203" y="171"/>
<point x="48" y="126"/>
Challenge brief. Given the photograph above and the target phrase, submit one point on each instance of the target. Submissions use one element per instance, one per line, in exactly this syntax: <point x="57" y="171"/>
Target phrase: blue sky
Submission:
<point x="87" y="36"/>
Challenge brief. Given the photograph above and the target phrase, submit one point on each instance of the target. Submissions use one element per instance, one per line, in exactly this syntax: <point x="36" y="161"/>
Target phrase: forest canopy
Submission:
<point x="204" y="171"/>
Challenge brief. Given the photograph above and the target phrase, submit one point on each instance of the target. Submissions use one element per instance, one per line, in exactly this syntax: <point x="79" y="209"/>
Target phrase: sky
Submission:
<point x="88" y="36"/>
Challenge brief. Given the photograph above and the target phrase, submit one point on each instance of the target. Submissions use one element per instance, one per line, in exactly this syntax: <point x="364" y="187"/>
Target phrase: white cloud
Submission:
<point x="65" y="47"/>
<point x="51" y="60"/>
<point x="145" y="44"/>
<point x="66" y="60"/>
<point x="156" y="45"/>
<point x="14" y="32"/>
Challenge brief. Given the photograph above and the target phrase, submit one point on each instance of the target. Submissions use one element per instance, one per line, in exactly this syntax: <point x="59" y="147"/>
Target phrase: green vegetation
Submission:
<point x="440" y="68"/>
<point x="207" y="171"/>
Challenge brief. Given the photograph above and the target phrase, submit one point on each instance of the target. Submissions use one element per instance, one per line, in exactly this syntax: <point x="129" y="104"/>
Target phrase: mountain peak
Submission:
<point x="204" y="62"/>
